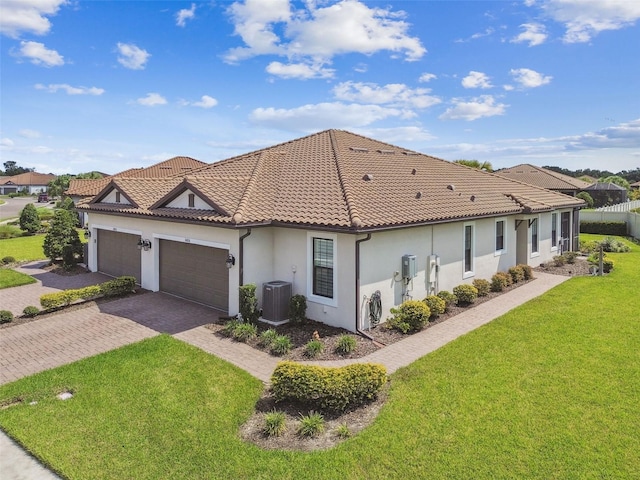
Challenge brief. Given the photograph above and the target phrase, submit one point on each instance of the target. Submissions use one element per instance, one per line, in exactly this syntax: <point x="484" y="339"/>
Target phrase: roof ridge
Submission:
<point x="354" y="214"/>
<point x="242" y="206"/>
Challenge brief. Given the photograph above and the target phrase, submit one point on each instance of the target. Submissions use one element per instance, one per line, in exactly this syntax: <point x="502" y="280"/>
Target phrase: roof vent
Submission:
<point x="367" y="177"/>
<point x="387" y="152"/>
<point x="359" y="149"/>
<point x="410" y="153"/>
<point x="419" y="195"/>
<point x="451" y="187"/>
<point x="473" y="198"/>
<point x="414" y="171"/>
<point x="282" y="152"/>
<point x="166" y="168"/>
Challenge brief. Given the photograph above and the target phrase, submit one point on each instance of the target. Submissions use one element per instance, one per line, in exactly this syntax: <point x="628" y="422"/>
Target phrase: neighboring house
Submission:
<point x="544" y="178"/>
<point x="29" y="182"/>
<point x="635" y="186"/>
<point x="338" y="215"/>
<point x="83" y="188"/>
<point x="605" y="194"/>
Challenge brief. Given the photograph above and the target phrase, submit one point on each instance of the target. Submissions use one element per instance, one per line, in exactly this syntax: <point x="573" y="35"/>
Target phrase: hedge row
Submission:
<point x="111" y="288"/>
<point x="328" y="388"/>
<point x="604" y="228"/>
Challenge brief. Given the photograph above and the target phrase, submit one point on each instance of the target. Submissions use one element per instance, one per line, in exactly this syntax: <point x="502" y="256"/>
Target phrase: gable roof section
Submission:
<point x="542" y="177"/>
<point x="28" y="179"/>
<point x="339" y="180"/>
<point x="605" y="186"/>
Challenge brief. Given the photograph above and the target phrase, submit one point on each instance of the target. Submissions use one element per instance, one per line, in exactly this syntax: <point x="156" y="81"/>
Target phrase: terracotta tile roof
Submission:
<point x="338" y="180"/>
<point x="28" y="178"/>
<point x="542" y="177"/>
<point x="176" y="166"/>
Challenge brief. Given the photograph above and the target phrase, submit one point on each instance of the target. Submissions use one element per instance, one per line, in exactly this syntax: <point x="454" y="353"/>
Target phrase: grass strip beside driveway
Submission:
<point x="549" y="390"/>
<point x="11" y="278"/>
<point x="23" y="249"/>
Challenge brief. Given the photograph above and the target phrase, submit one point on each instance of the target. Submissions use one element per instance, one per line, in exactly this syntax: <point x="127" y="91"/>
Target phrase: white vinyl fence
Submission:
<point x="620" y="207"/>
<point x="632" y="219"/>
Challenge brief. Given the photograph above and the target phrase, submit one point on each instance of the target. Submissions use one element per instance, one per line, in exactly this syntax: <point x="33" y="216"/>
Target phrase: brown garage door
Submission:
<point x="195" y="272"/>
<point x="118" y="254"/>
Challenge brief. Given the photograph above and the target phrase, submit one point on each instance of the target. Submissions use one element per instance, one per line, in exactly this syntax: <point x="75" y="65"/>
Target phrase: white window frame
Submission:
<point x="503" y="250"/>
<point x="332" y="302"/>
<point x="535" y="221"/>
<point x="554" y="224"/>
<point x="468" y="273"/>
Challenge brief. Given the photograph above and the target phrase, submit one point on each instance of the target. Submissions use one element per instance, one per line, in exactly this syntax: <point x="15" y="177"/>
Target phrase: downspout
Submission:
<point x="241" y="255"/>
<point x="358" y="242"/>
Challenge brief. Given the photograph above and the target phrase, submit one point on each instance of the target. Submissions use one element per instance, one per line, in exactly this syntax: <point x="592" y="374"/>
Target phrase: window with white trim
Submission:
<point x="535" y="240"/>
<point x="554" y="231"/>
<point x="323" y="267"/>
<point x="468" y="250"/>
<point x="501" y="237"/>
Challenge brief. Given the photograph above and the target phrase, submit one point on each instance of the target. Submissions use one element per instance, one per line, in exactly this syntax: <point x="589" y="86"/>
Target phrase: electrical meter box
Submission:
<point x="409" y="266"/>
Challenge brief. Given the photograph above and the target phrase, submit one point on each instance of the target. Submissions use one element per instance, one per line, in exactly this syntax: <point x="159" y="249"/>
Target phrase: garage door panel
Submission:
<point x="195" y="272"/>
<point x="118" y="254"/>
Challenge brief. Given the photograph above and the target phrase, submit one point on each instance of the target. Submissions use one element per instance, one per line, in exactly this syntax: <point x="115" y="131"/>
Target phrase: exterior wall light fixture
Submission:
<point x="144" y="244"/>
<point x="231" y="261"/>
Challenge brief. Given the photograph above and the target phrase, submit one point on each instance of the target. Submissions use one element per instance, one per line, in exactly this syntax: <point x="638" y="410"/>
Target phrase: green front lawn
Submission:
<point x="27" y="248"/>
<point x="11" y="278"/>
<point x="549" y="390"/>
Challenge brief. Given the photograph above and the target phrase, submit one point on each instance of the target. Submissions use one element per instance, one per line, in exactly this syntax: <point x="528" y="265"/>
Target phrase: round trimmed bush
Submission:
<point x="437" y="306"/>
<point x="30" y="311"/>
<point x="483" y="286"/>
<point x="6" y="316"/>
<point x="8" y="259"/>
<point x="412" y="312"/>
<point x="500" y="281"/>
<point x="449" y="299"/>
<point x="465" y="293"/>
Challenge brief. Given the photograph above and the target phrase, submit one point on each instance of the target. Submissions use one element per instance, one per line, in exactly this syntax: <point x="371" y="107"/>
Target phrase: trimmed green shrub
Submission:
<point x="483" y="286"/>
<point x="328" y="388"/>
<point x="281" y="345"/>
<point x="274" y="424"/>
<point x="528" y="271"/>
<point x="500" y="281"/>
<point x="249" y="303"/>
<point x="517" y="274"/>
<point x="570" y="257"/>
<point x="62" y="233"/>
<point x="437" y="306"/>
<point x="110" y="288"/>
<point x="465" y="293"/>
<point x="118" y="286"/>
<point x="412" y="312"/>
<point x="6" y="316"/>
<point x="588" y="247"/>
<point x="29" y="220"/>
<point x="311" y="425"/>
<point x="559" y="260"/>
<point x="30" y="311"/>
<point x="267" y="337"/>
<point x="245" y="332"/>
<point x="604" y="228"/>
<point x="313" y="348"/>
<point x="449" y="299"/>
<point x="8" y="259"/>
<point x="298" y="308"/>
<point x="346" y="344"/>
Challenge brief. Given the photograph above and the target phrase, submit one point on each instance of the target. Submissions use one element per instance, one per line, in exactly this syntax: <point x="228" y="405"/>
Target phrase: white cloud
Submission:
<point x="28" y="133"/>
<point x="427" y="77"/>
<point x="393" y="94"/>
<point x="323" y="115"/>
<point x="584" y="20"/>
<point x="299" y="70"/>
<point x="27" y="16"/>
<point x="40" y="55"/>
<point x="528" y="78"/>
<point x="151" y="100"/>
<point x="319" y="33"/>
<point x="483" y="106"/>
<point x="6" y="142"/>
<point x="53" y="88"/>
<point x="489" y="31"/>
<point x="476" y="80"/>
<point x="534" y="34"/>
<point x="185" y="14"/>
<point x="206" y="102"/>
<point x="624" y="135"/>
<point x="131" y="56"/>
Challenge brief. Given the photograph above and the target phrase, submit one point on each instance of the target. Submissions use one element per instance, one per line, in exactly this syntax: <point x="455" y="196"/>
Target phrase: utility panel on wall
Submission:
<point x="409" y="269"/>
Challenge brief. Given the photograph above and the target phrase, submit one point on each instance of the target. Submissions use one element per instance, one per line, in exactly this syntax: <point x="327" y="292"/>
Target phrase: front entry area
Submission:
<point x="195" y="272"/>
<point x="118" y="254"/>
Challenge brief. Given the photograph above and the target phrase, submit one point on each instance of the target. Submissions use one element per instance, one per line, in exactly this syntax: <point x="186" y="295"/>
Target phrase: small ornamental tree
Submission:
<point x="62" y="240"/>
<point x="29" y="220"/>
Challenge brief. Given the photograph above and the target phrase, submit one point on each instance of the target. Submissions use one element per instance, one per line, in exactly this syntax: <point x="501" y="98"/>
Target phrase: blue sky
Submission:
<point x="110" y="85"/>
